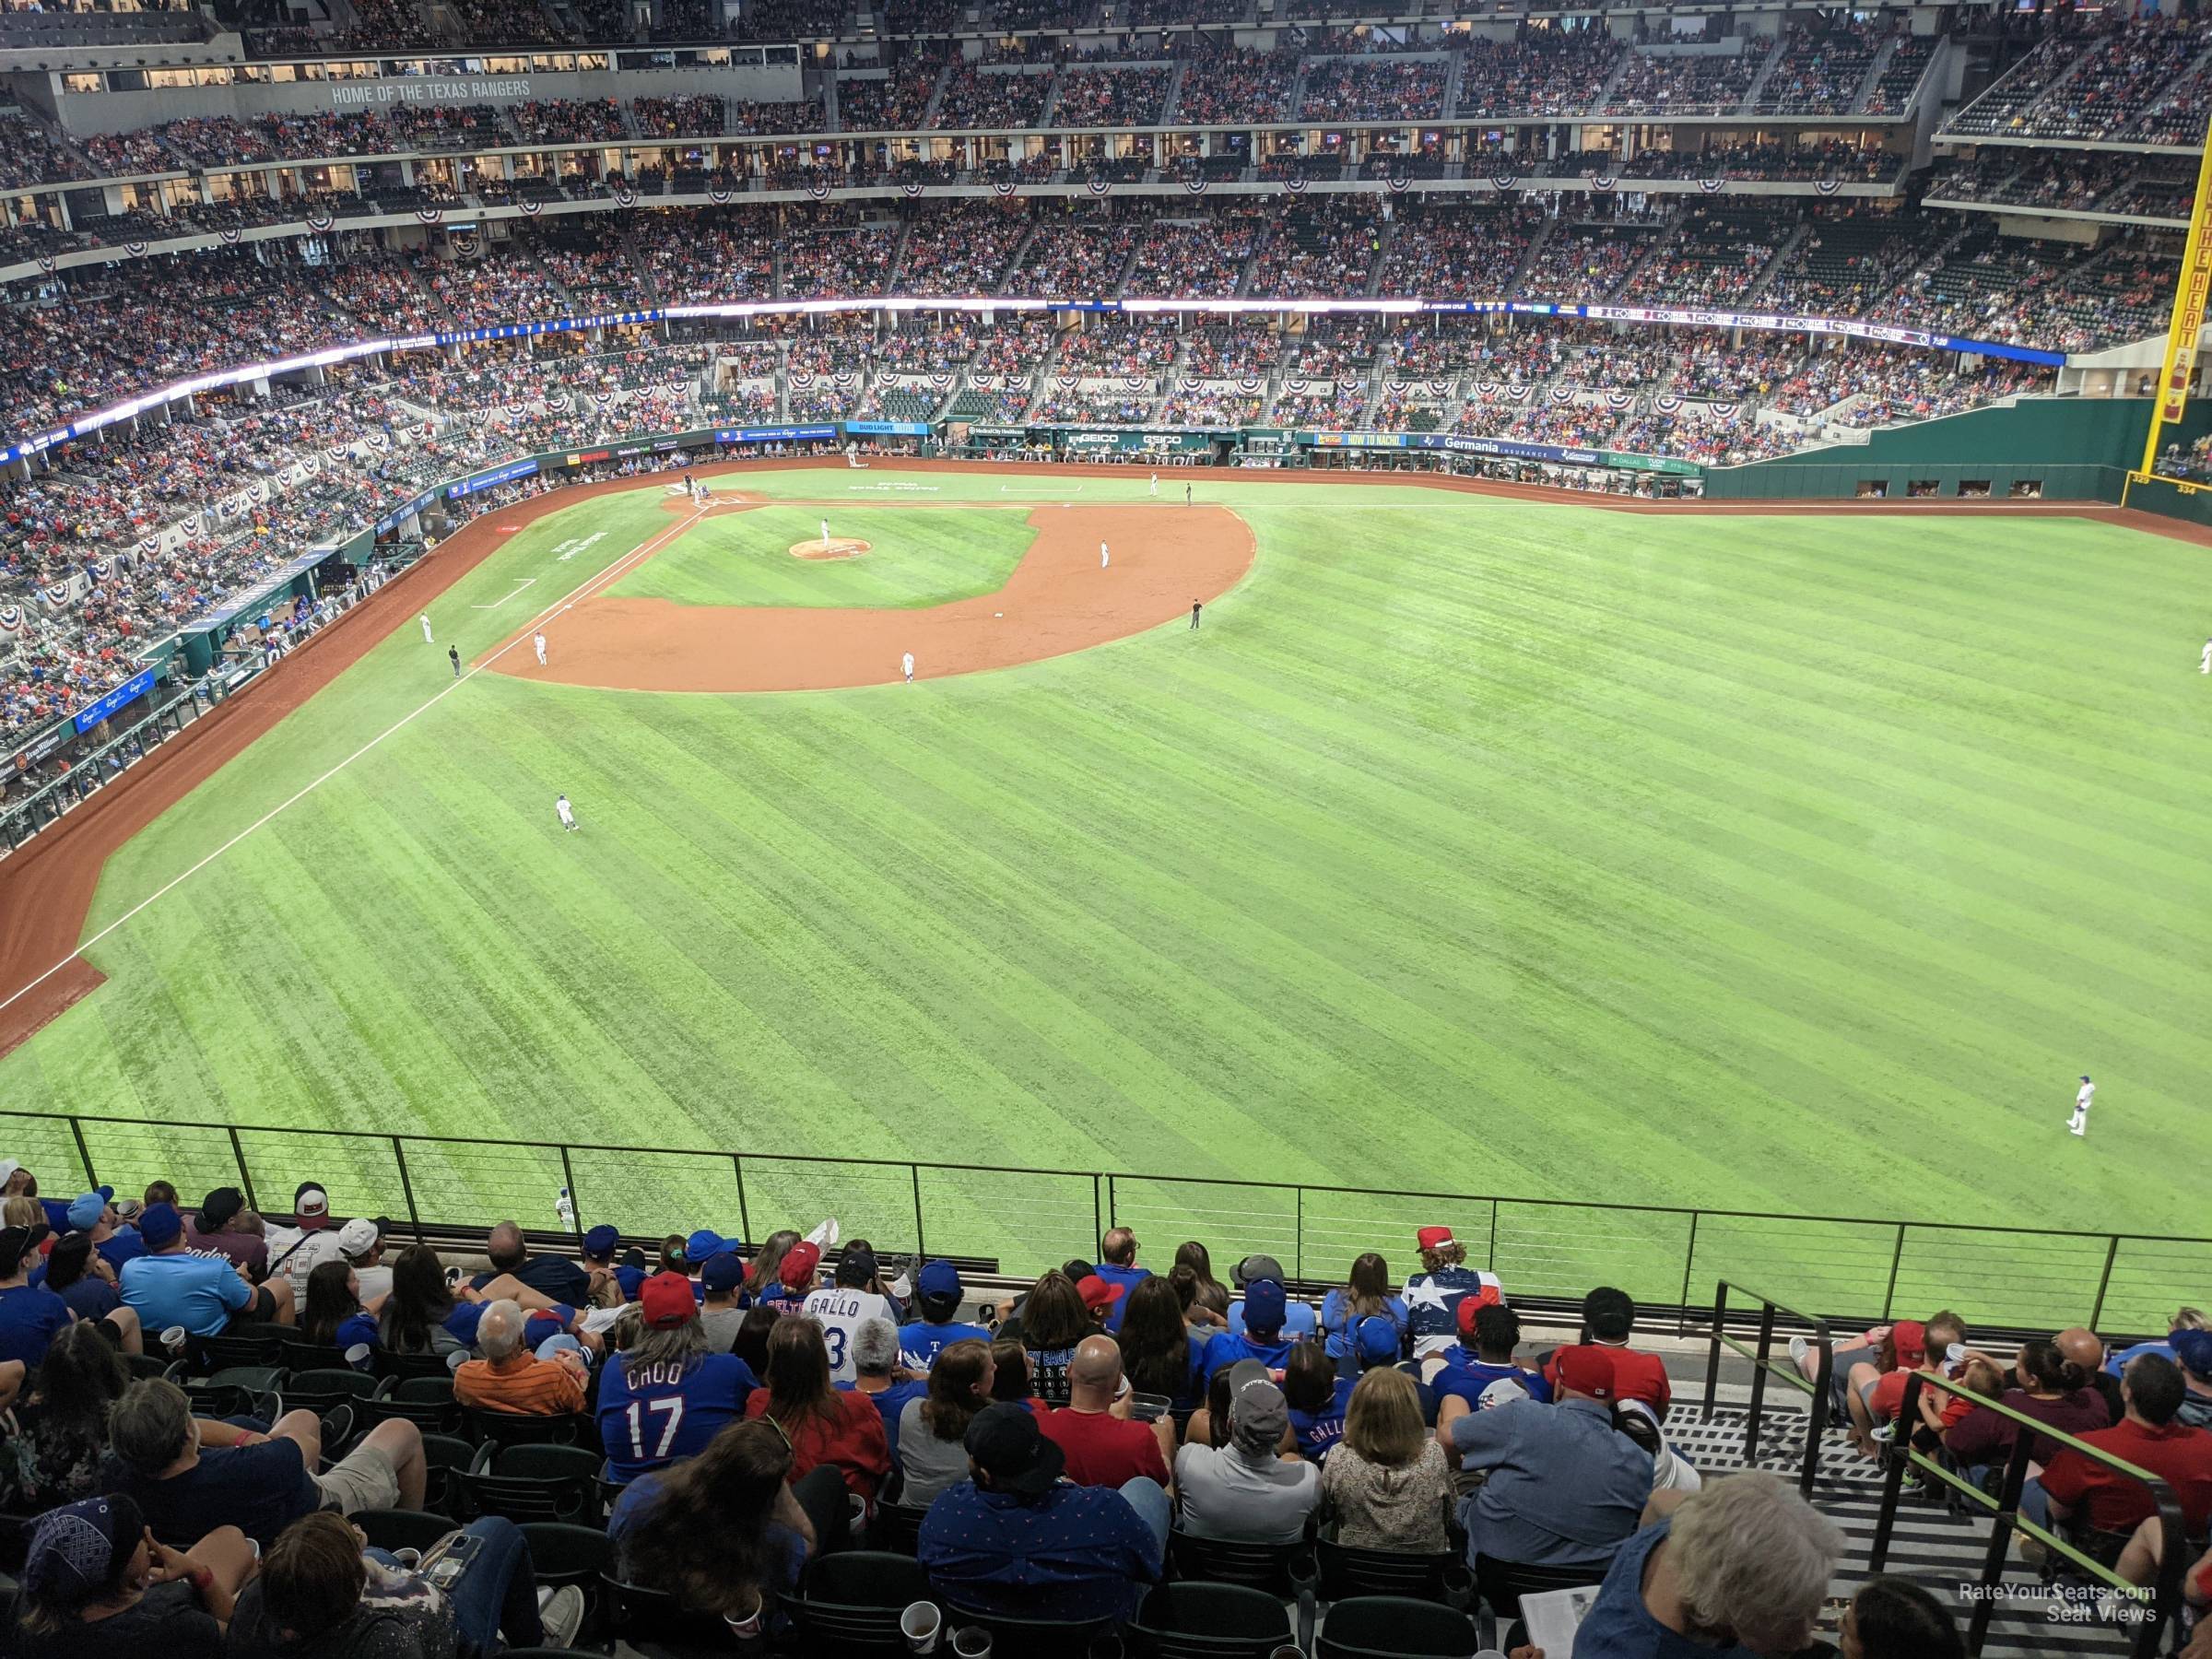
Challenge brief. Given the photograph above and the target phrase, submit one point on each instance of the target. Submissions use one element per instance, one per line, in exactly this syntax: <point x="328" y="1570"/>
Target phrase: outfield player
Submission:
<point x="537" y="642"/>
<point x="2083" y="1097"/>
<point x="1196" y="607"/>
<point x="427" y="639"/>
<point x="2203" y="662"/>
<point x="566" y="812"/>
<point x="1154" y="490"/>
<point x="907" y="663"/>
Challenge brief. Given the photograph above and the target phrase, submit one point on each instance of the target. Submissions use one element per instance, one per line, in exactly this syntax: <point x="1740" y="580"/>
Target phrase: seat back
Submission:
<point x="442" y="1455"/>
<point x="897" y="1528"/>
<point x="1394" y="1627"/>
<point x="530" y="1483"/>
<point x="1346" y="1571"/>
<point x="563" y="1553"/>
<point x="402" y="1529"/>
<point x="1503" y="1583"/>
<point x="426" y="1401"/>
<point x="1029" y="1638"/>
<point x="384" y="1362"/>
<point x="1210" y="1622"/>
<point x="1275" y="1567"/>
<point x="851" y="1602"/>
<point x="297" y="1356"/>
<point x="318" y="1390"/>
<point x="635" y="1614"/>
<point x="516" y="1428"/>
<point x="262" y="1345"/>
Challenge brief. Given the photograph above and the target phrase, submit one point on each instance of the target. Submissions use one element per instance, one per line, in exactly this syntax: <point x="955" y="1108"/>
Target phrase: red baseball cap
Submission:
<point x="1585" y="1370"/>
<point x="1429" y="1238"/>
<point x="667" y="1300"/>
<point x="1489" y="1295"/>
<point x="1096" y="1294"/>
<point x="797" y="1272"/>
<point x="1911" y="1339"/>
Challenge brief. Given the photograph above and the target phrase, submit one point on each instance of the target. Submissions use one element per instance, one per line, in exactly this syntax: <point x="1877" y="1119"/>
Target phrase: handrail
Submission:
<point x="2164" y="1597"/>
<point x="1762" y="1362"/>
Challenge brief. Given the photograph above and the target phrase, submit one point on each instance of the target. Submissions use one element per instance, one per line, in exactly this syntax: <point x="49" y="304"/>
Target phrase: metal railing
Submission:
<point x="2022" y="1279"/>
<point x="2147" y="1608"/>
<point x="1763" y="1364"/>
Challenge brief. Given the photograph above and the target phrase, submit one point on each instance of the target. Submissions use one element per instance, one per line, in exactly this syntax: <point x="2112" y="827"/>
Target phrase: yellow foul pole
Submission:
<point x="2190" y="294"/>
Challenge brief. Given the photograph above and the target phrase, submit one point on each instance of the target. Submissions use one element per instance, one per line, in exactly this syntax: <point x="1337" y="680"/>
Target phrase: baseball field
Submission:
<point x="1471" y="844"/>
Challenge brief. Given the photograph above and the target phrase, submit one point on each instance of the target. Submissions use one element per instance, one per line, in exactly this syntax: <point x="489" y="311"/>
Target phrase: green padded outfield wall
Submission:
<point x="2074" y="447"/>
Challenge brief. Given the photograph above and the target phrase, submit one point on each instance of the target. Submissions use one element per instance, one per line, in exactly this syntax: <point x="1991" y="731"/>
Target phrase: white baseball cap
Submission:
<point x="357" y="1238"/>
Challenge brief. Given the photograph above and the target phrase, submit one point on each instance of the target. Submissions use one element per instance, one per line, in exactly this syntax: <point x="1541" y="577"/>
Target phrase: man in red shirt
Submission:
<point x="1608" y="1315"/>
<point x="2109" y="1501"/>
<point x="1102" y="1449"/>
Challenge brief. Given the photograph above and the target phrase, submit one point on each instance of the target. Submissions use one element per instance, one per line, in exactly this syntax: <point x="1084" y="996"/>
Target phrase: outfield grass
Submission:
<point x="1792" y="863"/>
<point x="918" y="557"/>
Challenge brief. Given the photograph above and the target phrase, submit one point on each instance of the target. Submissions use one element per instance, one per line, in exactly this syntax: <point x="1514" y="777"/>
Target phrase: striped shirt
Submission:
<point x="522" y="1384"/>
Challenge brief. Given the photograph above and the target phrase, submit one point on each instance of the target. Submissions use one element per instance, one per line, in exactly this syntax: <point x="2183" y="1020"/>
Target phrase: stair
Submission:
<point x="1874" y="74"/>
<point x="1798" y="232"/>
<point x="1167" y="108"/>
<point x="1604" y="93"/>
<point x="1659" y="244"/>
<point x="831" y="120"/>
<point x="646" y="286"/>
<point x="1459" y="69"/>
<point x="937" y="96"/>
<point x="1766" y="70"/>
<point x="897" y="262"/>
<point x="1374" y="277"/>
<point x="1051" y="104"/>
<point x="1528" y="260"/>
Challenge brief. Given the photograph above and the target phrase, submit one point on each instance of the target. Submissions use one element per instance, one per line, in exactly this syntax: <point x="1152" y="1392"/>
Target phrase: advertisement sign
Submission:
<point x="497" y="476"/>
<point x="130" y="691"/>
<point x="899" y="429"/>
<point x="786" y="434"/>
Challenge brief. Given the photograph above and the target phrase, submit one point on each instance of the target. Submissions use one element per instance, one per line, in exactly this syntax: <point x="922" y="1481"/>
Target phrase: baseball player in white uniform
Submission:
<point x="538" y="643"/>
<point x="2079" y="1122"/>
<point x="2203" y="662"/>
<point x="825" y="535"/>
<point x="1101" y="555"/>
<point x="566" y="812"/>
<point x="907" y="663"/>
<point x="427" y="639"/>
<point x="1154" y="490"/>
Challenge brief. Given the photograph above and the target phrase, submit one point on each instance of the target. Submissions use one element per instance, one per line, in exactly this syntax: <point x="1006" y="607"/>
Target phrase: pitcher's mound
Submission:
<point x="837" y="547"/>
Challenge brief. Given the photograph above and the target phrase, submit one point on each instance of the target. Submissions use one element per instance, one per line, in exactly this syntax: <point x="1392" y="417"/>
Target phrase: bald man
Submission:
<point x="1103" y="1446"/>
<point x="2086" y="1349"/>
<point x="1117" y="1266"/>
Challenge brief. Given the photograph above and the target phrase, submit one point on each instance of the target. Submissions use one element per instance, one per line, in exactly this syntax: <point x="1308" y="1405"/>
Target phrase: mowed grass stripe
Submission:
<point x="916" y="557"/>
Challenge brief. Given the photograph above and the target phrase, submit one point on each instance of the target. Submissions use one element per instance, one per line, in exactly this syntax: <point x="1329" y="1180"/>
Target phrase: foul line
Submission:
<point x="643" y="550"/>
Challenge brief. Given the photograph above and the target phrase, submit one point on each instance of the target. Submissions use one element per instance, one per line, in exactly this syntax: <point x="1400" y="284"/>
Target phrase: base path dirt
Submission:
<point x="1163" y="556"/>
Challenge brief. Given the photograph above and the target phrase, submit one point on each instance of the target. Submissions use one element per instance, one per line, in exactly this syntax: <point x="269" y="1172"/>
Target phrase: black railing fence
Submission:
<point x="2026" y="1279"/>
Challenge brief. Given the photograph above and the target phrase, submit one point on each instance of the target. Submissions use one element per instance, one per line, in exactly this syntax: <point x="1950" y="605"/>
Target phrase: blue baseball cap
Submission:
<point x="161" y="1226"/>
<point x="601" y="1241"/>
<point x="1264" y="1306"/>
<point x="938" y="1280"/>
<point x="701" y="1244"/>
<point x="1374" y="1338"/>
<point x="724" y="1271"/>
<point x="85" y="1210"/>
<point x="2193" y="1349"/>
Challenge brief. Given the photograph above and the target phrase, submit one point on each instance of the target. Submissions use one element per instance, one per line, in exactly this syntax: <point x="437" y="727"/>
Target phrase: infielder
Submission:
<point x="427" y="639"/>
<point x="2079" y="1122"/>
<point x="825" y="535"/>
<point x="537" y="641"/>
<point x="1101" y="555"/>
<point x="907" y="663"/>
<point x="1195" y="606"/>
<point x="1154" y="490"/>
<point x="2203" y="662"/>
<point x="563" y="811"/>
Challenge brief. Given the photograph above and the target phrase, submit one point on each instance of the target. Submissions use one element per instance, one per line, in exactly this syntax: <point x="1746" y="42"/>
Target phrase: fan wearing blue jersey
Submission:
<point x="664" y="1398"/>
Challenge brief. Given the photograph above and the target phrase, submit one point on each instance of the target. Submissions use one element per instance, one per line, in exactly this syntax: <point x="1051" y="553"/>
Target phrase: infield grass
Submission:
<point x="917" y="557"/>
<point x="1472" y="845"/>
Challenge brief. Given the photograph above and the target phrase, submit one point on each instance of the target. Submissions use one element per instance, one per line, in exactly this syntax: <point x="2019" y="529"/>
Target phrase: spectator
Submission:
<point x="1433" y="1295"/>
<point x="1299" y="1318"/>
<point x="30" y="1315"/>
<point x="937" y="1292"/>
<point x="94" y="1585"/>
<point x="793" y="1281"/>
<point x="1263" y="1336"/>
<point x="94" y="1213"/>
<point x="1248" y="1490"/>
<point x="1563" y="1489"/>
<point x="361" y="1243"/>
<point x="932" y="1446"/>
<point x="318" y="1594"/>
<point x="721" y="1278"/>
<point x="1099" y="1298"/>
<point x="2086" y="1349"/>
<point x="598" y="1253"/>
<point x="1737" y="1570"/>
<point x="1367" y="1292"/>
<point x="1670" y="1471"/>
<point x="1209" y="1293"/>
<point x="1387" y="1485"/>
<point x="422" y="1316"/>
<point x="1099" y="1446"/>
<point x="875" y="1354"/>
<point x="2048" y="1387"/>
<point x="563" y="1281"/>
<point x="294" y="1250"/>
<point x="1481" y="1369"/>
<point x="1610" y="1316"/>
<point x="205" y="1294"/>
<point x="333" y="1316"/>
<point x="822" y="1425"/>
<point x="766" y="1273"/>
<point x="57" y="1457"/>
<point x="78" y="1273"/>
<point x="1053" y="1319"/>
<point x="2192" y="1352"/>
<point x="1117" y="1266"/>
<point x="844" y="1305"/>
<point x="1161" y="1355"/>
<point x="1318" y="1398"/>
<point x="511" y="1378"/>
<point x="1895" y="1618"/>
<point x="2184" y="1319"/>
<point x="752" y="1338"/>
<point x="224" y="1225"/>
<point x="723" y="1529"/>
<point x="260" y="1485"/>
<point x="2110" y="1504"/>
<point x="1016" y="1539"/>
<point x="665" y="1397"/>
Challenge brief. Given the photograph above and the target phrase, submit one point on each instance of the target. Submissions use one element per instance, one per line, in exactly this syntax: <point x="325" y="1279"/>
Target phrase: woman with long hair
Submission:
<point x="1318" y="1399"/>
<point x="1160" y="1354"/>
<point x="766" y="1273"/>
<point x="58" y="1459"/>
<point x="94" y="1585"/>
<point x="933" y="1431"/>
<point x="333" y="1316"/>
<point x="1366" y="1291"/>
<point x="1053" y="1319"/>
<point x="823" y="1425"/>
<point x="725" y="1529"/>
<point x="1387" y="1485"/>
<point x="413" y="1319"/>
<point x="2050" y="1388"/>
<point x="80" y="1276"/>
<point x="1210" y="1295"/>
<point x="1010" y="1372"/>
<point x="752" y="1336"/>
